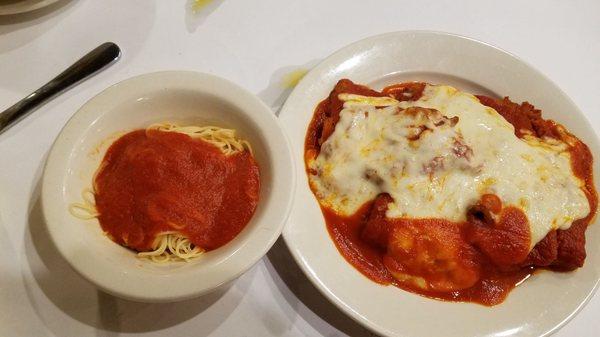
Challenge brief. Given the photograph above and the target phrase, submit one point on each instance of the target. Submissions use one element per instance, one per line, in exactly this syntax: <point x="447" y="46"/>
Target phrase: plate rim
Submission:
<point x="27" y="6"/>
<point x="289" y="241"/>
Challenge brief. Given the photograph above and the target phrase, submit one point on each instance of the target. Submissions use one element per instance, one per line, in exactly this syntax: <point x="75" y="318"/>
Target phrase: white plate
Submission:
<point x="9" y="7"/>
<point x="188" y="98"/>
<point x="540" y="305"/>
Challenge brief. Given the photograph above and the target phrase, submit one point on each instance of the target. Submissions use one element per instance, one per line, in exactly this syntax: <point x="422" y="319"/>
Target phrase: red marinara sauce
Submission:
<point x="151" y="182"/>
<point x="479" y="260"/>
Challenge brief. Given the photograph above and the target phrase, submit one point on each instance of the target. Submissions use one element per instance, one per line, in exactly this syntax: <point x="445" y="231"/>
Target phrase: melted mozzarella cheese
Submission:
<point x="436" y="156"/>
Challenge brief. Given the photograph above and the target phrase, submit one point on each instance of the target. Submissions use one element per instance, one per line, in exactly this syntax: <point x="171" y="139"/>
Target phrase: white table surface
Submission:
<point x="254" y="43"/>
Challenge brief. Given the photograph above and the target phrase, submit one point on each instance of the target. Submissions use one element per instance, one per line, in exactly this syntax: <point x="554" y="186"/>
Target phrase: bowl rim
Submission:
<point x="254" y="246"/>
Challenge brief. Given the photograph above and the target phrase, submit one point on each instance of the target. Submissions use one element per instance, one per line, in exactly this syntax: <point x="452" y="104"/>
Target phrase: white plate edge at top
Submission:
<point x="24" y="6"/>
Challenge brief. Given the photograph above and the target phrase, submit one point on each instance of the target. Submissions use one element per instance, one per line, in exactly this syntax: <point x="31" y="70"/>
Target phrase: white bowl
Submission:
<point x="178" y="96"/>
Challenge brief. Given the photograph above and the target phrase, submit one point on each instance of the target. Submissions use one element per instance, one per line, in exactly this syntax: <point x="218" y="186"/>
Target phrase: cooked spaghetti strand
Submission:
<point x="224" y="139"/>
<point x="171" y="246"/>
<point x="85" y="210"/>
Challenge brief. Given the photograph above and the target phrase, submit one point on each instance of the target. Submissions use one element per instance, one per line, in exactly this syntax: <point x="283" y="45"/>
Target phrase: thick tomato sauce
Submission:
<point x="561" y="250"/>
<point x="479" y="260"/>
<point x="151" y="182"/>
